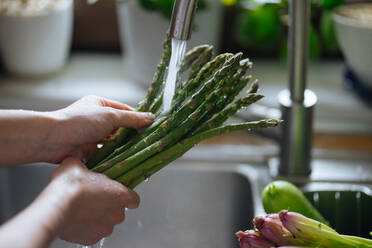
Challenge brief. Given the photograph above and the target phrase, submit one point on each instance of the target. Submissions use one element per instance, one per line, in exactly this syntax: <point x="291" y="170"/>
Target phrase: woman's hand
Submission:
<point x="86" y="122"/>
<point x="78" y="205"/>
<point x="31" y="136"/>
<point x="95" y="203"/>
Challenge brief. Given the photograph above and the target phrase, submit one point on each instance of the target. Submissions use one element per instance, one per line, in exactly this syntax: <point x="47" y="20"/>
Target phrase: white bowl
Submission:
<point x="36" y="44"/>
<point x="353" y="25"/>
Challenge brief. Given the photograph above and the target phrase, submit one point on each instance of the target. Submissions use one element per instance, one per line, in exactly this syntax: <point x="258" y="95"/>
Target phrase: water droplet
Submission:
<point x="101" y="243"/>
<point x="139" y="224"/>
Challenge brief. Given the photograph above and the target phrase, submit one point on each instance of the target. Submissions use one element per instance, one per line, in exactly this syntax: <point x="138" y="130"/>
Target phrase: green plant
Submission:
<point x="262" y="26"/>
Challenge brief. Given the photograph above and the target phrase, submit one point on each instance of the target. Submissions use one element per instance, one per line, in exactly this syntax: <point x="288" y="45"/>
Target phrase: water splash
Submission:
<point x="178" y="52"/>
<point x="101" y="242"/>
<point x="98" y="245"/>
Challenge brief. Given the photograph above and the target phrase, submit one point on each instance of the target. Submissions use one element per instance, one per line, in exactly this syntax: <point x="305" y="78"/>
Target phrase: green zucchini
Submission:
<point x="279" y="195"/>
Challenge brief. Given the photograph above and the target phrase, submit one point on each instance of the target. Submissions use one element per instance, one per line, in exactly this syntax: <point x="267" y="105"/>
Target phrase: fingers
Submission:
<point x="129" y="198"/>
<point x="92" y="99"/>
<point x="126" y="198"/>
<point x="84" y="152"/>
<point x="121" y="115"/>
<point x="132" y="119"/>
<point x="114" y="104"/>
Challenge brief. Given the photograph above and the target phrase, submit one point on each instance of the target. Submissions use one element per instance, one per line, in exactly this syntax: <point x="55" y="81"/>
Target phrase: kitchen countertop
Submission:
<point x="342" y="121"/>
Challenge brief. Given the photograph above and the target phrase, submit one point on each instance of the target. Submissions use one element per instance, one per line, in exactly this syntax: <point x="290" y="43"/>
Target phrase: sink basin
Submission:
<point x="182" y="206"/>
<point x="202" y="204"/>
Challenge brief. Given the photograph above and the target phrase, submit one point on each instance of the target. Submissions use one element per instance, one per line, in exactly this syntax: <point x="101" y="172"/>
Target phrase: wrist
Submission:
<point x="60" y="196"/>
<point x="53" y="145"/>
<point x="24" y="136"/>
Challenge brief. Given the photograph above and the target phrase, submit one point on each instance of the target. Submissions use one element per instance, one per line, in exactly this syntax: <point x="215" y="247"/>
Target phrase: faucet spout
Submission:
<point x="297" y="103"/>
<point x="182" y="17"/>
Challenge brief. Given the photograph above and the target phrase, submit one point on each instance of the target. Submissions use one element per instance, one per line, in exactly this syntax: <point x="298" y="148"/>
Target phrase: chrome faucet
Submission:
<point x="182" y="17"/>
<point x="296" y="102"/>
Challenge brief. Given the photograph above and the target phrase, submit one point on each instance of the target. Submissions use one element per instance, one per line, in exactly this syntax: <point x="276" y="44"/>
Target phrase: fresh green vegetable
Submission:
<point x="317" y="234"/>
<point x="280" y="195"/>
<point x="291" y="229"/>
<point x="200" y="107"/>
<point x="122" y="135"/>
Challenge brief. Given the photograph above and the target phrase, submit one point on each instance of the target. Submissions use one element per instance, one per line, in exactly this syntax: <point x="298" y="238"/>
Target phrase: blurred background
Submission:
<point x="258" y="27"/>
<point x="55" y="51"/>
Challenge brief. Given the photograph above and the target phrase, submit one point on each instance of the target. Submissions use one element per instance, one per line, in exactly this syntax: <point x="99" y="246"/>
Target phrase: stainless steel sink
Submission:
<point x="202" y="204"/>
<point x="185" y="205"/>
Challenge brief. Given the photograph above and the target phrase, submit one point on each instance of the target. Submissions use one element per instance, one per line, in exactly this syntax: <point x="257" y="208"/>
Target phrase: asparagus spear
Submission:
<point x="194" y="58"/>
<point x="205" y="72"/>
<point x="130" y="143"/>
<point x="156" y="105"/>
<point x="222" y="116"/>
<point x="130" y="158"/>
<point x="157" y="82"/>
<point x="191" y="56"/>
<point x="123" y="134"/>
<point x="135" y="176"/>
<point x="202" y="59"/>
<point x="234" y="91"/>
<point x="148" y="137"/>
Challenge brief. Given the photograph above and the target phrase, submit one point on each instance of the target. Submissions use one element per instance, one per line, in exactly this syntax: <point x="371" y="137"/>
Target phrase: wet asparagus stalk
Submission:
<point x="124" y="134"/>
<point x="160" y="160"/>
<point x="151" y="103"/>
<point x="200" y="62"/>
<point x="147" y="137"/>
<point x="200" y="106"/>
<point x="147" y="147"/>
<point x="157" y="82"/>
<point x="207" y="71"/>
<point x="192" y="56"/>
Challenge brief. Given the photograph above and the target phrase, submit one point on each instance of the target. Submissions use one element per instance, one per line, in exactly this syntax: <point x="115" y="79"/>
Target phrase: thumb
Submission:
<point x="133" y="119"/>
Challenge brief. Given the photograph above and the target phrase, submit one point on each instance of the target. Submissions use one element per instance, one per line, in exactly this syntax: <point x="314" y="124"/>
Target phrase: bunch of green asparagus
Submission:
<point x="200" y="106"/>
<point x="291" y="229"/>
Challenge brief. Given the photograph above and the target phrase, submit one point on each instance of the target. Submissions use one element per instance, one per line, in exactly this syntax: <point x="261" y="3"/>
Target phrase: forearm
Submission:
<point x="23" y="136"/>
<point x="38" y="225"/>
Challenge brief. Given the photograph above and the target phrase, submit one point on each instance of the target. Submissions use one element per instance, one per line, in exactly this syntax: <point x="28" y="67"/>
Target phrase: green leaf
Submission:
<point x="331" y="4"/>
<point x="260" y="28"/>
<point x="148" y="4"/>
